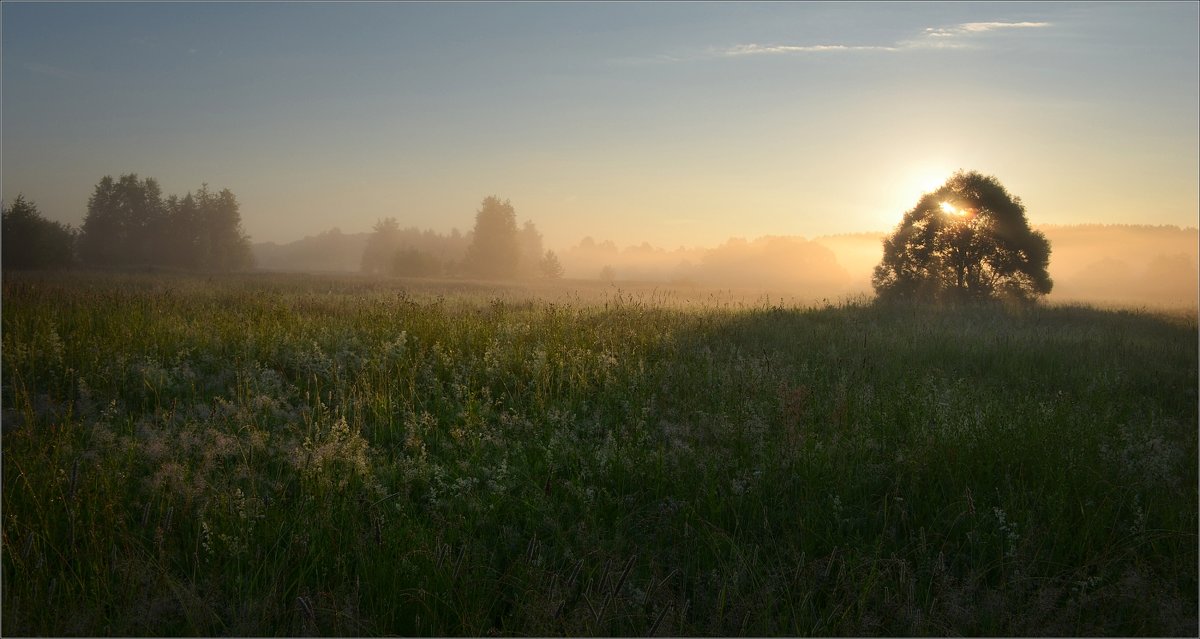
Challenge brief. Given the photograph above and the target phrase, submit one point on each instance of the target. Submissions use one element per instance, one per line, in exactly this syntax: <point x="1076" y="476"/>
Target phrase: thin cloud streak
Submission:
<point x="754" y="49"/>
<point x="932" y="38"/>
<point x="982" y="27"/>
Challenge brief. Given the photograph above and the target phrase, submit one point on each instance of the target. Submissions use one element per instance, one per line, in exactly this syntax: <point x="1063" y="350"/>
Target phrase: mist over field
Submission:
<point x="1122" y="265"/>
<point x="514" y="319"/>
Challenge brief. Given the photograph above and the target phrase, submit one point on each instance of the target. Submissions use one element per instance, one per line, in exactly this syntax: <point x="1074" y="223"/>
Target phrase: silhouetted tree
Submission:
<point x="969" y="239"/>
<point x="550" y="267"/>
<point x="32" y="241"/>
<point x="222" y="245"/>
<point x="122" y="220"/>
<point x="381" y="246"/>
<point x="495" y="250"/>
<point x="146" y="221"/>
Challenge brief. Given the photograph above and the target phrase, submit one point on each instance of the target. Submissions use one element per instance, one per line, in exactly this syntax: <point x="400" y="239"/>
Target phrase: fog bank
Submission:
<point x="1134" y="265"/>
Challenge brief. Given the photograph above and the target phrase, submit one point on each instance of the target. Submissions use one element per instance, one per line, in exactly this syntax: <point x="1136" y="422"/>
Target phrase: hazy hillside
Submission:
<point x="1136" y="264"/>
<point x="328" y="251"/>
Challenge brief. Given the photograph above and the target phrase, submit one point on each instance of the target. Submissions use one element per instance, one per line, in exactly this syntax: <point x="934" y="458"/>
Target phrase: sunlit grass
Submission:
<point x="295" y="455"/>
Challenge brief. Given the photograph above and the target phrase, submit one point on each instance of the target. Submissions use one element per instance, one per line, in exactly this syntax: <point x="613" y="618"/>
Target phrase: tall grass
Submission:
<point x="302" y="455"/>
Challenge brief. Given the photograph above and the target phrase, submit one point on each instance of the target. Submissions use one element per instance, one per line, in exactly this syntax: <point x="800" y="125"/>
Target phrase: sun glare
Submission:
<point x="953" y="210"/>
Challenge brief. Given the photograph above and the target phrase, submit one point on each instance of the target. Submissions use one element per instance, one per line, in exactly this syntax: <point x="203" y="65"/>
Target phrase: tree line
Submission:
<point x="129" y="223"/>
<point x="967" y="240"/>
<point x="495" y="249"/>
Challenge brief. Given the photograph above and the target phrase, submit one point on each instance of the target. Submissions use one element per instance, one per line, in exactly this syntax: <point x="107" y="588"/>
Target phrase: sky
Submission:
<point x="672" y="123"/>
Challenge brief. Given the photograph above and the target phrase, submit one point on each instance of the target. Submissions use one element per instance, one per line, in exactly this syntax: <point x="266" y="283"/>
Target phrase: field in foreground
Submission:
<point x="297" y="455"/>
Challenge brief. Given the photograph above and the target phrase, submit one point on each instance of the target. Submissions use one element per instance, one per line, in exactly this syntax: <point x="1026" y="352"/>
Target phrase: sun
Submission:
<point x="964" y="213"/>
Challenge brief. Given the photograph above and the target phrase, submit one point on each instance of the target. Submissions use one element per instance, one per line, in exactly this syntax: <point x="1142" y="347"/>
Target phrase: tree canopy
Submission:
<point x="495" y="250"/>
<point x="32" y="241"/>
<point x="969" y="239"/>
<point x="122" y="219"/>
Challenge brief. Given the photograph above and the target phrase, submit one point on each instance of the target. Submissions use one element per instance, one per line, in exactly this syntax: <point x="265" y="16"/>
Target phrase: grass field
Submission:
<point x="318" y="455"/>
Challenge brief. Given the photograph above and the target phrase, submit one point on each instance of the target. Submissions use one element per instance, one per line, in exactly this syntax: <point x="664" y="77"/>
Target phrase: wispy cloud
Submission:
<point x="952" y="37"/>
<point x="968" y="28"/>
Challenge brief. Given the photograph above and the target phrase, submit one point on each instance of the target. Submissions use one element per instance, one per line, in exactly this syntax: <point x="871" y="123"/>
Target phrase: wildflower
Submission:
<point x="206" y="538"/>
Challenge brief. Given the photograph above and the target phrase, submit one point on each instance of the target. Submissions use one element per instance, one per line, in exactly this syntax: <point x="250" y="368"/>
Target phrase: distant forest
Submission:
<point x="1139" y="264"/>
<point x="130" y="223"/>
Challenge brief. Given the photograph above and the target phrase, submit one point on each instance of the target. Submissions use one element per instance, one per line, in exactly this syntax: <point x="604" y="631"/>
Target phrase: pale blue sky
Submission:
<point x="669" y="122"/>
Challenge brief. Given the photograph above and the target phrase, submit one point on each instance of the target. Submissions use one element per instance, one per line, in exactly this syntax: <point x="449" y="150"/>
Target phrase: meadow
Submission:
<point x="321" y="455"/>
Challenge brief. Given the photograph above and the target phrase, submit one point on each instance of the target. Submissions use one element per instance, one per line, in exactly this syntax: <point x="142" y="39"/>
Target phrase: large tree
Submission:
<point x="32" y="241"/>
<point x="969" y="239"/>
<point x="495" y="249"/>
